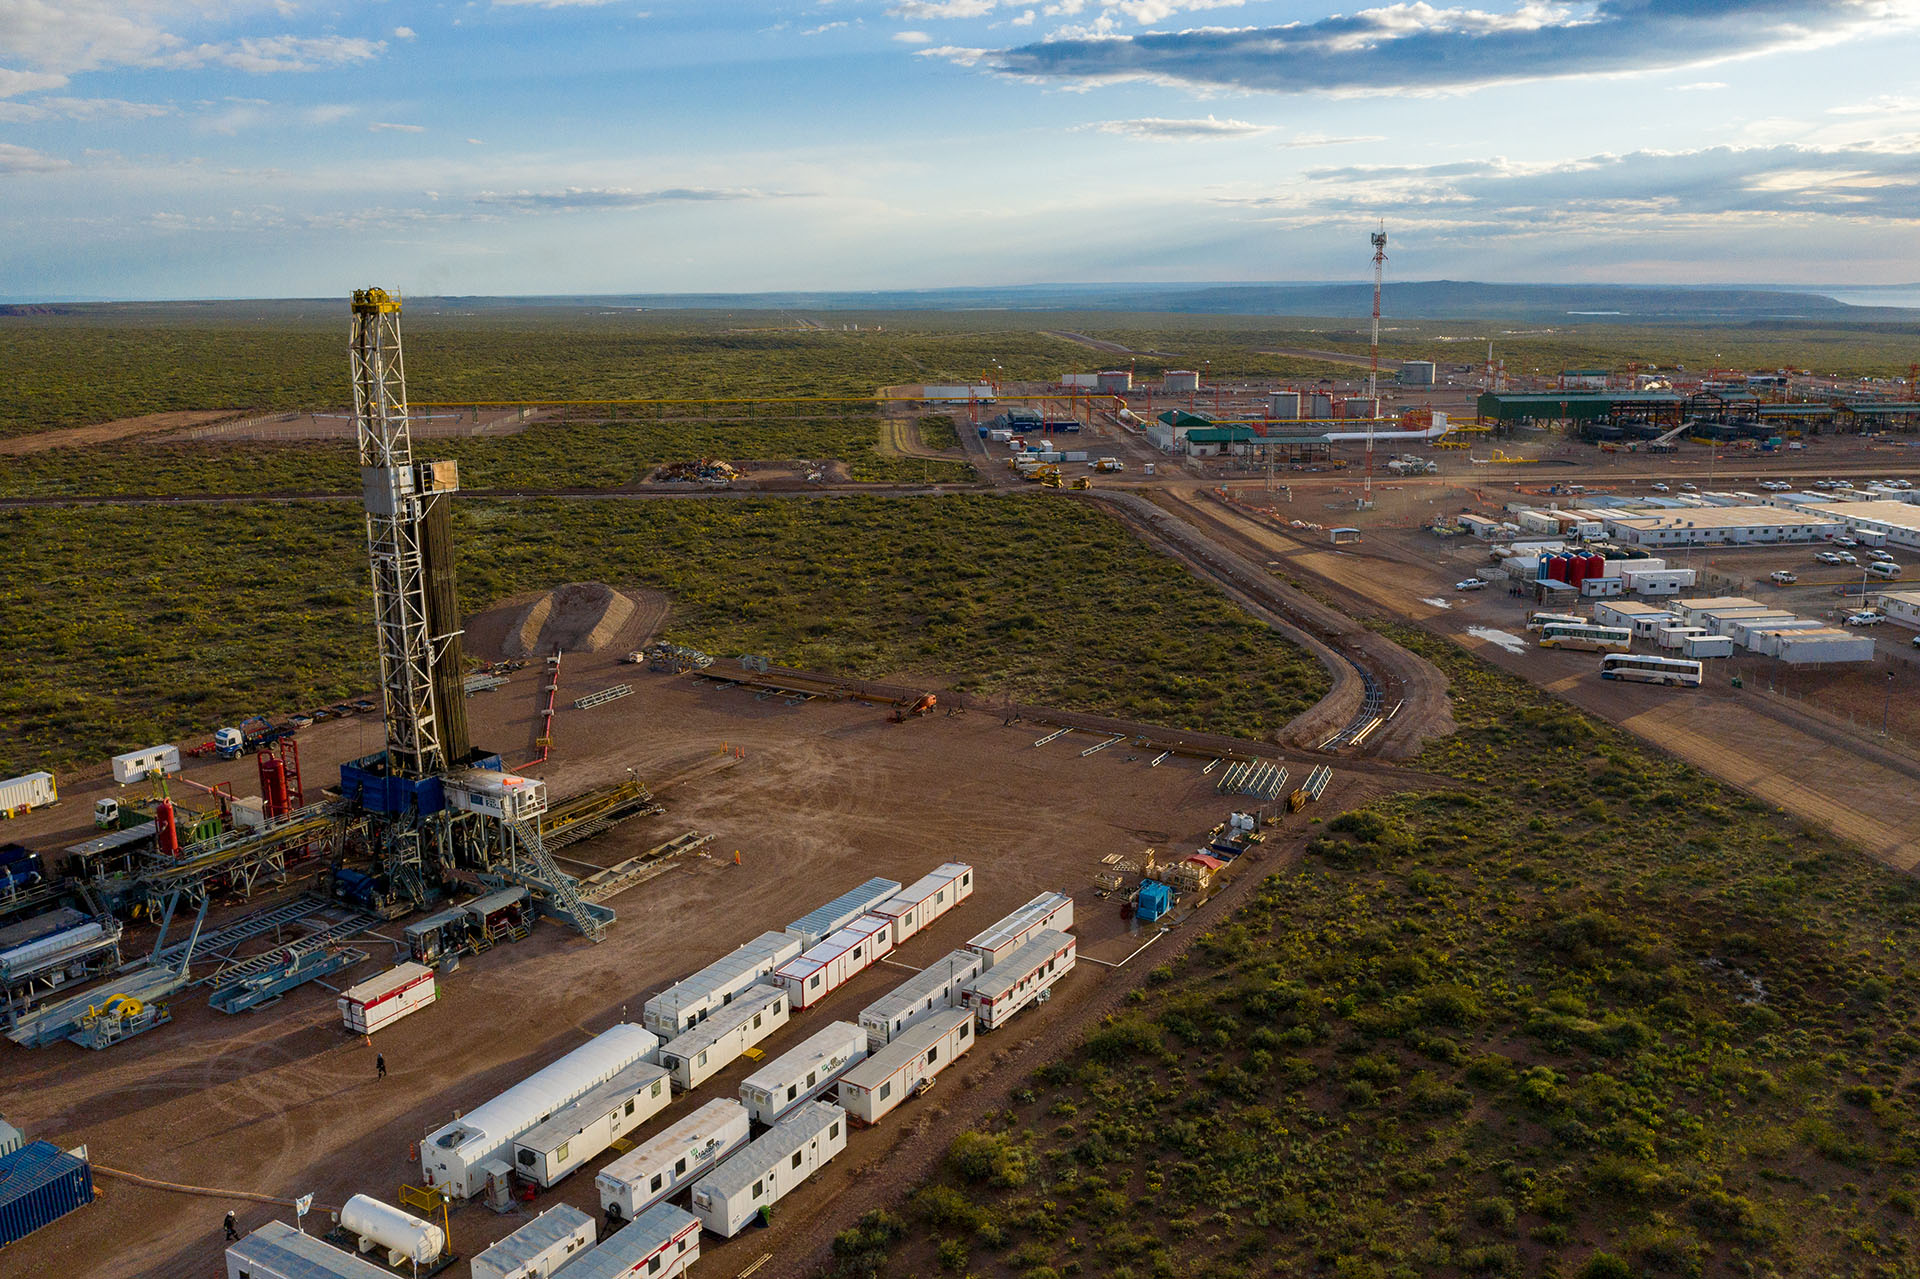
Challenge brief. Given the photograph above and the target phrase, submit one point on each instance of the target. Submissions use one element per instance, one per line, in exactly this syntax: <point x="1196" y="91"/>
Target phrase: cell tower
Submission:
<point x="1373" y="373"/>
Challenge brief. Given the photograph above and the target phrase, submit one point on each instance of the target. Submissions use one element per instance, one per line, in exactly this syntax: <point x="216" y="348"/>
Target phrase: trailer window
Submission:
<point x="796" y="1159"/>
<point x="656" y="1179"/>
<point x="886" y="1090"/>
<point x="756" y="1189"/>
<point x="814" y="980"/>
<point x="756" y="1021"/>
<point x="653" y="1265"/>
<point x="834" y="1131"/>
<point x="680" y="1168"/>
<point x="793" y="1090"/>
<point x="933" y="1054"/>
<point x="964" y="1028"/>
<point x="630" y="1101"/>
<point x="656" y="1087"/>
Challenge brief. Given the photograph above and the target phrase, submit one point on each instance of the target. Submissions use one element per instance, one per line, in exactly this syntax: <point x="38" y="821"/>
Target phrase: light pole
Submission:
<point x="1886" y="705"/>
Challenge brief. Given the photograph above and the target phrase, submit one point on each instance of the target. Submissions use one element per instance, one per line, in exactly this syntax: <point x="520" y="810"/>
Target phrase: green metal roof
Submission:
<point x="1796" y="410"/>
<point x="1220" y="435"/>
<point x="1182" y="418"/>
<point x="1586" y="397"/>
<point x="1908" y="407"/>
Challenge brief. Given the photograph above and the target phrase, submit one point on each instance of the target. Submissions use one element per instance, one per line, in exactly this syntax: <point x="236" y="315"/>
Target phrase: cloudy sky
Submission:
<point x="240" y="148"/>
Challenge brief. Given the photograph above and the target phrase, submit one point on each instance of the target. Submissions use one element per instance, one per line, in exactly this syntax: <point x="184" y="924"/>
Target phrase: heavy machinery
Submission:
<point x="922" y="705"/>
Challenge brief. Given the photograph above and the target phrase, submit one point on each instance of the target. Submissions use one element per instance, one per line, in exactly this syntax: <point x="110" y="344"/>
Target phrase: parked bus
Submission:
<point x="1674" y="672"/>
<point x="1587" y="637"/>
<point x="1540" y="621"/>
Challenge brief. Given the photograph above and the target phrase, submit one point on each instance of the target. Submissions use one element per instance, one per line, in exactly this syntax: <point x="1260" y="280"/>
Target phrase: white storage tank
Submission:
<point x="1182" y="381"/>
<point x="586" y="1126"/>
<point x="1284" y="405"/>
<point x="871" y="1090"/>
<point x="718" y="1042"/>
<point x="934" y="988"/>
<point x="451" y="1155"/>
<point x="817" y="925"/>
<point x="687" y="1003"/>
<point x="662" y="1243"/>
<point x="404" y="1236"/>
<point x="27" y="792"/>
<point x="818" y="972"/>
<point x="279" y="1251"/>
<point x="672" y="1158"/>
<point x="1019" y="978"/>
<point x="803" y="1073"/>
<point x="1416" y="373"/>
<point x="1113" y="381"/>
<point x="540" y="1247"/>
<point x="926" y="899"/>
<point x="134" y="766"/>
<point x="731" y="1196"/>
<point x="1048" y="910"/>
<point x="380" y="1001"/>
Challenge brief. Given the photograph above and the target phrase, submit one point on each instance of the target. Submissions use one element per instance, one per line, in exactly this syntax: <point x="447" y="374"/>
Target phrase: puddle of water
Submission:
<point x="1505" y="639"/>
<point x="1436" y="601"/>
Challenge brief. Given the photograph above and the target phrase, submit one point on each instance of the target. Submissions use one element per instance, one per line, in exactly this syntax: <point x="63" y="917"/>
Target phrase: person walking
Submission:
<point x="380" y="1065"/>
<point x="233" y="1228"/>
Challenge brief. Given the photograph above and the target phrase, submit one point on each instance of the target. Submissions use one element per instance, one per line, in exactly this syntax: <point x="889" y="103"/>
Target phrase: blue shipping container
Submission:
<point x="39" y="1184"/>
<point x="1156" y="899"/>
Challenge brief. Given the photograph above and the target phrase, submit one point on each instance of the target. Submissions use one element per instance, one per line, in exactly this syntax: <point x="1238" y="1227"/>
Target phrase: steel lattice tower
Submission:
<point x="1373" y="373"/>
<point x="396" y="510"/>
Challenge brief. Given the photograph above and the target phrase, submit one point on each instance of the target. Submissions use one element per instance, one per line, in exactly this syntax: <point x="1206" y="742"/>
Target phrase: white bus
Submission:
<point x="1540" y="621"/>
<point x="1587" y="637"/>
<point x="1675" y="672"/>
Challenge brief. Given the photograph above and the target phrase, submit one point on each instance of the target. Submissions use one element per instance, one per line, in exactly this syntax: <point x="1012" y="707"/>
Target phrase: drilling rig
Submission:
<point x="1373" y="373"/>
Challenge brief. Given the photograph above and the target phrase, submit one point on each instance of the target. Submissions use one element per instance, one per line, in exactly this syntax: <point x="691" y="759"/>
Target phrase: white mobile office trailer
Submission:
<point x="134" y="766"/>
<point x="872" y="1089"/>
<point x="1019" y="978"/>
<point x="279" y="1251"/>
<point x="671" y="1158"/>
<point x="710" y="1047"/>
<point x="584" y="1127"/>
<point x="798" y="1076"/>
<point x="823" y="969"/>
<point x="815" y="926"/>
<point x="933" y="988"/>
<point x="451" y="1155"/>
<point x="926" y="899"/>
<point x="538" y="1248"/>
<point x="660" y="1244"/>
<point x="1048" y="910"/>
<point x="382" y="1000"/>
<point x="730" y="1196"/>
<point x="27" y="792"/>
<point x="687" y="1003"/>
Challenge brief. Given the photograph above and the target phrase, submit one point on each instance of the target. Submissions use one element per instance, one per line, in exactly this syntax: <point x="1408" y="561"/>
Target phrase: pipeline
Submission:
<point x="209" y="1192"/>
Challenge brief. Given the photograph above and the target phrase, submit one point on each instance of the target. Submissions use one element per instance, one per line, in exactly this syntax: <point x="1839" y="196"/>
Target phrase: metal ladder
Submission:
<point x="602" y="697"/>
<point x="559" y="885"/>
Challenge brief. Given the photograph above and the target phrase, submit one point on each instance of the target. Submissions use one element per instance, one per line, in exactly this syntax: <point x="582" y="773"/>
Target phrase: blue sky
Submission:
<point x="194" y="148"/>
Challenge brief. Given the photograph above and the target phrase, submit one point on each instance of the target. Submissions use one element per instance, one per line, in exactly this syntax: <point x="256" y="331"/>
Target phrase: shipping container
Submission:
<point x="585" y="1127"/>
<point x="39" y="1184"/>
<point x="380" y="1001"/>
<point x="926" y="899"/>
<point x="674" y="1157"/>
<point x="1048" y="910"/>
<point x="659" y="1244"/>
<point x="1702" y="646"/>
<point x="27" y="792"/>
<point x="823" y="969"/>
<point x="11" y="1138"/>
<point x="451" y="1155"/>
<point x="540" y="1247"/>
<point x="1020" y="978"/>
<point x="871" y="1090"/>
<point x="280" y="1251"/>
<point x="687" y="1003"/>
<point x="934" y="988"/>
<point x="709" y="1048"/>
<point x="732" y="1195"/>
<point x="817" y="925"/>
<point x="803" y="1073"/>
<point x="134" y="766"/>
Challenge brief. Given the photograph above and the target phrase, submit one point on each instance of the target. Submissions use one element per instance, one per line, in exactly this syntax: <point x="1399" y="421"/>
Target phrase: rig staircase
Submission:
<point x="561" y="890"/>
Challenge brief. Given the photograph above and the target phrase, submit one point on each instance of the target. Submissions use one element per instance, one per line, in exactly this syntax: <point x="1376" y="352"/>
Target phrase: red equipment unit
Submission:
<point x="166" y="834"/>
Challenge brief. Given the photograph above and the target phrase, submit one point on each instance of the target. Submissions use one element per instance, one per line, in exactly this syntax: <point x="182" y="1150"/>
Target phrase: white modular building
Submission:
<point x="1704" y="646"/>
<point x="1691" y="611"/>
<point x="703" y="1052"/>
<point x="676" y="1156"/>
<point x="1900" y="606"/>
<point x="27" y="792"/>
<point x="661" y="1243"/>
<point x="803" y="1073"/>
<point x="1048" y="910"/>
<point x="1656" y="581"/>
<point x="1676" y="634"/>
<point x="1020" y="977"/>
<point x="280" y="1251"/>
<point x="871" y="1090"/>
<point x="1723" y="526"/>
<point x="687" y="1003"/>
<point x="1824" y="647"/>
<point x="823" y="969"/>
<point x="380" y="1001"/>
<point x="587" y="1125"/>
<point x="540" y="1247"/>
<point x="451" y="1155"/>
<point x="729" y="1198"/>
<point x="134" y="766"/>
<point x="1741" y="630"/>
<point x="934" y="988"/>
<point x="1642" y="619"/>
<point x="817" y="925"/>
<point x="926" y="899"/>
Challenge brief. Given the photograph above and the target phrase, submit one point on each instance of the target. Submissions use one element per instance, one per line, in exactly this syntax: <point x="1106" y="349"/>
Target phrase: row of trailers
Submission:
<point x="801" y="1105"/>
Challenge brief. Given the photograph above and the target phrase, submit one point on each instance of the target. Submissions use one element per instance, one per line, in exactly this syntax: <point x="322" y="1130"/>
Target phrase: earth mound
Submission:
<point x="580" y="617"/>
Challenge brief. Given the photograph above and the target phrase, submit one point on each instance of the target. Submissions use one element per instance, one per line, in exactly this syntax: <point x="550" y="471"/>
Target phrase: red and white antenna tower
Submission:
<point x="1373" y="374"/>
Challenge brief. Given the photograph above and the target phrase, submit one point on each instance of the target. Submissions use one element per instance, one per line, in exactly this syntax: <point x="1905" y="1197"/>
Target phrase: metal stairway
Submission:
<point x="561" y="890"/>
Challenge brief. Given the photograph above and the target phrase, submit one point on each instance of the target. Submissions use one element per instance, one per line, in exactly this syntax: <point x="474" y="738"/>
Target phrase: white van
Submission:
<point x="1883" y="569"/>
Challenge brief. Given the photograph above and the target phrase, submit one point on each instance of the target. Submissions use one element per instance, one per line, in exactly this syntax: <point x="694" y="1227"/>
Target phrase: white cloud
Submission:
<point x="403" y="33"/>
<point x="328" y="113"/>
<point x="913" y="37"/>
<point x="81" y="109"/>
<point x="1024" y="20"/>
<point x="1160" y="130"/>
<point x="1700" y="86"/>
<point x="18" y="159"/>
<point x="262" y="54"/>
<point x="574" y="199"/>
<point x="959" y="55"/>
<point x="551" y="4"/>
<point x="382" y="126"/>
<point x="15" y="83"/>
<point x="475" y="142"/>
<point x="59" y="38"/>
<point x="940" y="10"/>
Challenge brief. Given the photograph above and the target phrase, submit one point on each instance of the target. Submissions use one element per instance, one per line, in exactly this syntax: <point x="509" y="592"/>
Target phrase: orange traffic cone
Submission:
<point x="736" y="857"/>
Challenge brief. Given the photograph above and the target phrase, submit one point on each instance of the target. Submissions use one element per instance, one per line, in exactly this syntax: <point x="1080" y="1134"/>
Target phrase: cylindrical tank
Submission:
<point x="388" y="1227"/>
<point x="1546" y="569"/>
<point x="1284" y="405"/>
<point x="1557" y="570"/>
<point x="166" y="836"/>
<point x="1576" y="569"/>
<point x="1181" y="381"/>
<point x="1113" y="381"/>
<point x="1596" y="564"/>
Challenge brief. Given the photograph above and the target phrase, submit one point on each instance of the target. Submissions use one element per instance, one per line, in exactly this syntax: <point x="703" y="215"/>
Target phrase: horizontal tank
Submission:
<point x="403" y="1235"/>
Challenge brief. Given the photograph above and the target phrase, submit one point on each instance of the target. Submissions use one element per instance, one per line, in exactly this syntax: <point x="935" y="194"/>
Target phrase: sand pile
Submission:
<point x="580" y="617"/>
